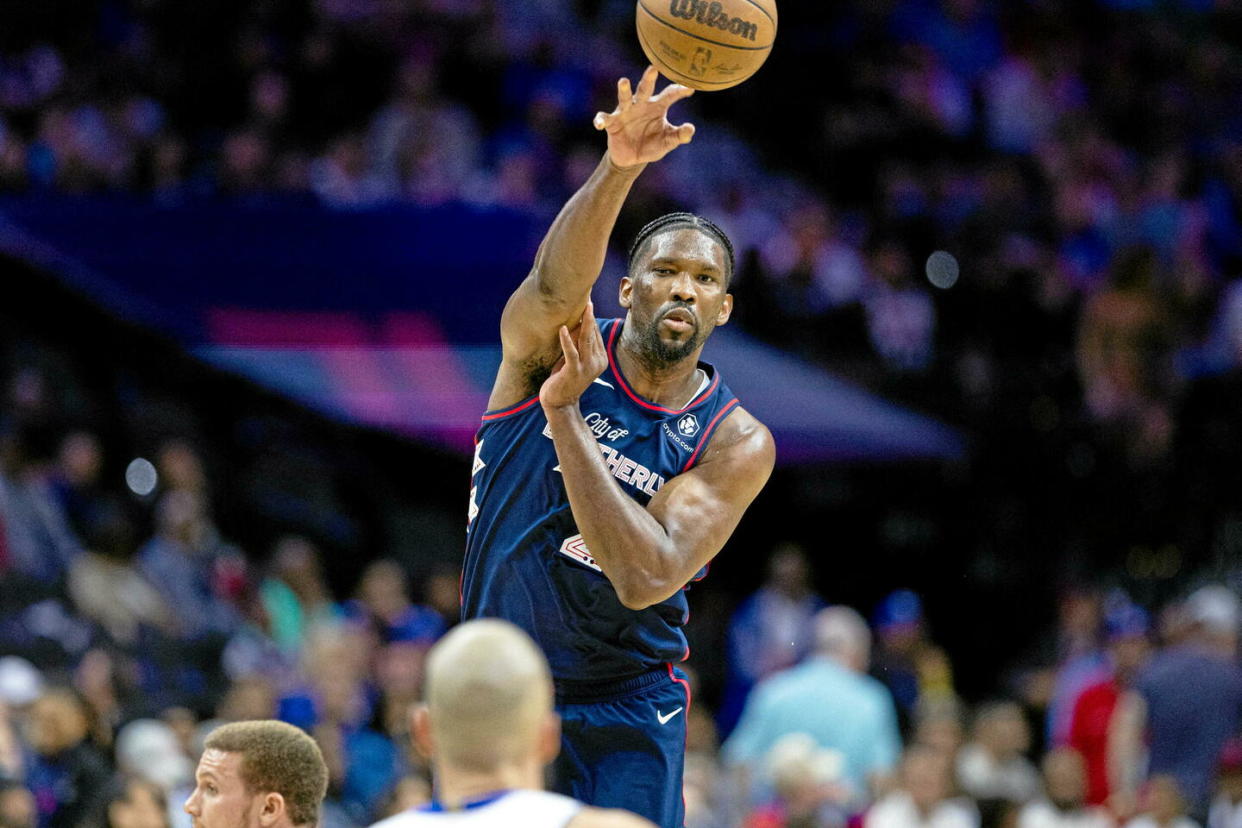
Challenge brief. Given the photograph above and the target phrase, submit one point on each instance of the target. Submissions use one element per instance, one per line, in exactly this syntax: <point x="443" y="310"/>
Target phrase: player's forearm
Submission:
<point x="572" y="253"/>
<point x="628" y="544"/>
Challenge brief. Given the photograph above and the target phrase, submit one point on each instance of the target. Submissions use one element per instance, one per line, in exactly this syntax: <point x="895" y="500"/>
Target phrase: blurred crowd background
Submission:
<point x="1046" y="633"/>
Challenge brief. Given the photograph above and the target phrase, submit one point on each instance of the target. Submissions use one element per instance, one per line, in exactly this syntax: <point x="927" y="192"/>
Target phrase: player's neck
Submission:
<point x="457" y="786"/>
<point x="671" y="386"/>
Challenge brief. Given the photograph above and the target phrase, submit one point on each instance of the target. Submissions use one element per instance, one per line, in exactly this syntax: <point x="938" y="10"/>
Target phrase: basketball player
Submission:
<point x="611" y="468"/>
<point x="489" y="728"/>
<point x="261" y="774"/>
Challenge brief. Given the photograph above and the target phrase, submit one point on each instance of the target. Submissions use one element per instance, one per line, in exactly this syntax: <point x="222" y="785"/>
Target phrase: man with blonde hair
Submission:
<point x="489" y="728"/>
<point x="259" y="774"/>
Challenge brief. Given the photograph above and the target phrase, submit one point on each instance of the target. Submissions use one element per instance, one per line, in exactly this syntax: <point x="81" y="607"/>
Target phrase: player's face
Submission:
<point x="220" y="798"/>
<point x="677" y="294"/>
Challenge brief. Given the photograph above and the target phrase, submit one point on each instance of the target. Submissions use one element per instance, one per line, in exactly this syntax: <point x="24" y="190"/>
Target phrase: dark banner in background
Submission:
<point x="390" y="317"/>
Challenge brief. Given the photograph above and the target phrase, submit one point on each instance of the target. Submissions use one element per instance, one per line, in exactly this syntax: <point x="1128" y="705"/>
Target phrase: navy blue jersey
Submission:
<point x="525" y="558"/>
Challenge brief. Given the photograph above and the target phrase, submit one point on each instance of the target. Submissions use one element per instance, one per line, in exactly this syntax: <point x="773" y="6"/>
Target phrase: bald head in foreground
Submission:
<point x="489" y="729"/>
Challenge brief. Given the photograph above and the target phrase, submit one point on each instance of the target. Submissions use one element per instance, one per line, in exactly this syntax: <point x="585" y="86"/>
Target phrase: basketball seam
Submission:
<point x="683" y="74"/>
<point x="652" y="15"/>
<point x="764" y="12"/>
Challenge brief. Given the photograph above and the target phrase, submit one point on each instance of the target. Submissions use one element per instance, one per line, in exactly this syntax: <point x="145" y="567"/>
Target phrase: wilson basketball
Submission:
<point x="707" y="44"/>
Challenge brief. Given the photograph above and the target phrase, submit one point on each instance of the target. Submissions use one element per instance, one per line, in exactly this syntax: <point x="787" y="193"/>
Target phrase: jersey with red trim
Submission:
<point x="526" y="560"/>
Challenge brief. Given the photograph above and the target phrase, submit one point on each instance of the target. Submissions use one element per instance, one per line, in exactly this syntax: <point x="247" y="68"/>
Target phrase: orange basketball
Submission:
<point x="707" y="44"/>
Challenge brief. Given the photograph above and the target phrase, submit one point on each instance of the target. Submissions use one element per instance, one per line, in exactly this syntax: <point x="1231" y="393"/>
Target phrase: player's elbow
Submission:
<point x="642" y="592"/>
<point x="646" y="579"/>
<point x="634" y="600"/>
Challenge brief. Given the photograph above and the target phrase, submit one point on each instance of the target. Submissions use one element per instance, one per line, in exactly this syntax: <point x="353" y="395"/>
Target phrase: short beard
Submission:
<point x="661" y="355"/>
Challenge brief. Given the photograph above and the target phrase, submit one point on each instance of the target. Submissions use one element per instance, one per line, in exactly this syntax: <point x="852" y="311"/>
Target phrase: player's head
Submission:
<point x="488" y="701"/>
<point x="676" y="287"/>
<point x="260" y="774"/>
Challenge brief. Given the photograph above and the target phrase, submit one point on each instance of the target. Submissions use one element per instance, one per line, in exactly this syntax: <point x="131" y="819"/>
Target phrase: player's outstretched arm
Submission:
<point x="572" y="253"/>
<point x="649" y="553"/>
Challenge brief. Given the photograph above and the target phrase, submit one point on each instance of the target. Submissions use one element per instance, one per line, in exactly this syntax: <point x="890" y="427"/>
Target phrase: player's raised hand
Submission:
<point x="583" y="358"/>
<point x="638" y="129"/>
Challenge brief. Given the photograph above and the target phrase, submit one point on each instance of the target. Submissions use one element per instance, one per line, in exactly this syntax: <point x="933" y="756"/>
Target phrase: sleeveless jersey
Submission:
<point x="507" y="809"/>
<point x="526" y="561"/>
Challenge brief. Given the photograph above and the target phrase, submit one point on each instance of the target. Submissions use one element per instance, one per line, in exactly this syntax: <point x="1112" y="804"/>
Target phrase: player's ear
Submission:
<point x="271" y="809"/>
<point x="550" y="737"/>
<point x="627" y="290"/>
<point x="726" y="310"/>
<point x="420" y="729"/>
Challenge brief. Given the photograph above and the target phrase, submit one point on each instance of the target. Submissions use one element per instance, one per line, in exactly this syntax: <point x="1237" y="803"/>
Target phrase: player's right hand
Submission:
<point x="638" y="129"/>
<point x="583" y="358"/>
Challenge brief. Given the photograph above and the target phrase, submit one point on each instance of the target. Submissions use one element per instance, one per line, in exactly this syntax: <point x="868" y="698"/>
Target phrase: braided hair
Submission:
<point x="676" y="221"/>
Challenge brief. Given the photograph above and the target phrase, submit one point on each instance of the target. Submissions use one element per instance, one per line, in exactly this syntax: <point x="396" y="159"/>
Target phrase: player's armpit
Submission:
<point x="601" y="818"/>
<point x="700" y="508"/>
<point x="530" y="346"/>
<point x="533" y="315"/>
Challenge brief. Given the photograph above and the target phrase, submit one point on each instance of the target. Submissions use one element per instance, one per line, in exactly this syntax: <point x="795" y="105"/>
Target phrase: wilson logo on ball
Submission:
<point x="713" y="14"/>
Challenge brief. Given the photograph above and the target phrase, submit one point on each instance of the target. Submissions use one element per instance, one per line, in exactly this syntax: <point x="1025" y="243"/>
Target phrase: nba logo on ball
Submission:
<point x="706" y="44"/>
<point x="699" y="63"/>
<point x="688" y="425"/>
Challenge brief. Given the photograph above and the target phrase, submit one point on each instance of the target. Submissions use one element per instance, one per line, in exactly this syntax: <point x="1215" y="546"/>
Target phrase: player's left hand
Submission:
<point x="583" y="358"/>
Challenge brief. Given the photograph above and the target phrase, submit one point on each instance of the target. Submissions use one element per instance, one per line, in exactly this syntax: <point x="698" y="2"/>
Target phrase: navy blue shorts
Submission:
<point x="623" y="745"/>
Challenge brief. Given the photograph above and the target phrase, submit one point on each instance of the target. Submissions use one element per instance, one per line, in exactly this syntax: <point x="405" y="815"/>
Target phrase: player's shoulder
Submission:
<point x="607" y="818"/>
<point x="404" y="819"/>
<point x="742" y="437"/>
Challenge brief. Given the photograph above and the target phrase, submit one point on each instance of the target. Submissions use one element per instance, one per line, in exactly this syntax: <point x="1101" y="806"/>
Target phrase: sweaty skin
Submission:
<point x="676" y="294"/>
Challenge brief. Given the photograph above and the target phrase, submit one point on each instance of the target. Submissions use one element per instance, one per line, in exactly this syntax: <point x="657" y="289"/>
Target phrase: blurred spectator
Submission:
<point x="252" y="649"/>
<point x="295" y="595"/>
<point x="67" y="773"/>
<point x="914" y="669"/>
<point x="1122" y="351"/>
<point x="38" y="542"/>
<point x="336" y="707"/>
<point x="442" y="592"/>
<point x="901" y="317"/>
<point x="98" y="684"/>
<point x="771" y="630"/>
<point x="17" y="805"/>
<point x="75" y="479"/>
<point x="362" y="764"/>
<point x="707" y="803"/>
<point x="1226" y="809"/>
<point x="191" y="566"/>
<point x="1163" y="806"/>
<point x="20" y="681"/>
<point x="924" y="798"/>
<point x="108" y="589"/>
<point x="1093" y="729"/>
<point x="134" y="803"/>
<point x="1063" y="805"/>
<point x="1189" y="697"/>
<point x="1081" y="660"/>
<point x="149" y="750"/>
<point x="938" y="725"/>
<point x="12" y="758"/>
<point x="180" y="468"/>
<point x="341" y="178"/>
<point x="831" y="698"/>
<point x="383" y="602"/>
<point x="806" y="783"/>
<point x="993" y="767"/>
